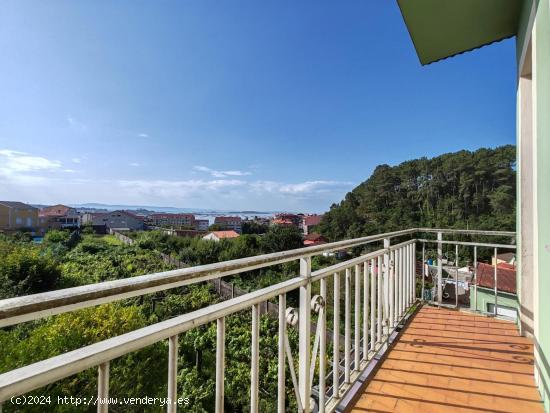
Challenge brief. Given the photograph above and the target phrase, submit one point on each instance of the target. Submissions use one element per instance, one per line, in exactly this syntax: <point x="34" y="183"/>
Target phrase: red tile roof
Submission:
<point x="279" y="221"/>
<point x="309" y="243"/>
<point x="312" y="220"/>
<point x="225" y="234"/>
<point x="506" y="277"/>
<point x="315" y="237"/>
<point x="55" y="211"/>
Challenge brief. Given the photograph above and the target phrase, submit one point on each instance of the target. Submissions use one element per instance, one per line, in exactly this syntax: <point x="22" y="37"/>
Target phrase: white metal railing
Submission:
<point x="379" y="290"/>
<point x="474" y="246"/>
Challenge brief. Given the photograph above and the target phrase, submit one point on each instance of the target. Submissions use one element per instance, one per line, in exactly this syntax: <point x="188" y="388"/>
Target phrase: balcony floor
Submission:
<point x="450" y="361"/>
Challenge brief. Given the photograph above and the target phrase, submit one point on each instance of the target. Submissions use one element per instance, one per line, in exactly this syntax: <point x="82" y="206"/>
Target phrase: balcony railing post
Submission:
<point x="255" y="359"/>
<point x="423" y="270"/>
<point x="456" y="281"/>
<point x="103" y="388"/>
<point x="373" y="277"/>
<point x="395" y="288"/>
<point x="357" y="318"/>
<point x="379" y="300"/>
<point x="439" y="268"/>
<point x="496" y="281"/>
<point x="220" y="364"/>
<point x="475" y="278"/>
<point x="406" y="276"/>
<point x="336" y="339"/>
<point x="347" y="327"/>
<point x="413" y="271"/>
<point x="366" y="314"/>
<point x="281" y="383"/>
<point x="401" y="281"/>
<point x="388" y="286"/>
<point x="305" y="335"/>
<point x="172" y="373"/>
<point x="323" y="346"/>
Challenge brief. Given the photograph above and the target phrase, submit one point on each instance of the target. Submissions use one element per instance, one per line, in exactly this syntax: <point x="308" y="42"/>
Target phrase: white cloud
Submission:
<point x="135" y="164"/>
<point x="143" y="135"/>
<point x="23" y="169"/>
<point x="307" y="188"/>
<point x="17" y="162"/>
<point x="180" y="188"/>
<point x="220" y="174"/>
<point x="76" y="160"/>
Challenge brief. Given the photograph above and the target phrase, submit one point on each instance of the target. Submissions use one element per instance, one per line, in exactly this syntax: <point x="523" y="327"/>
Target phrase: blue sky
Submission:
<point x="272" y="105"/>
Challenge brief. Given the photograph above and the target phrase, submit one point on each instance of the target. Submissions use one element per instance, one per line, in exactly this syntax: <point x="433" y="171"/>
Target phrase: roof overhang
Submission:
<point x="445" y="28"/>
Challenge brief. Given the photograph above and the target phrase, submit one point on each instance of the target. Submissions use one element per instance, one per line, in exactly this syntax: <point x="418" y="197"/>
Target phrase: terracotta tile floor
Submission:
<point x="450" y="361"/>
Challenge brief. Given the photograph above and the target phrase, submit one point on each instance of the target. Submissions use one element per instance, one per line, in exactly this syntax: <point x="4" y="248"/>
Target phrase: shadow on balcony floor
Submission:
<point x="450" y="361"/>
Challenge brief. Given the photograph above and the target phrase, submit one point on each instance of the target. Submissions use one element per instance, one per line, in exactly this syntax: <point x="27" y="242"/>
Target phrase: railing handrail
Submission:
<point x="41" y="373"/>
<point x="34" y="306"/>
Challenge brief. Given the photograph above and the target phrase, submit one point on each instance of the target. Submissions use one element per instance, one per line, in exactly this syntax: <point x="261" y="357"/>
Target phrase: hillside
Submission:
<point x="461" y="190"/>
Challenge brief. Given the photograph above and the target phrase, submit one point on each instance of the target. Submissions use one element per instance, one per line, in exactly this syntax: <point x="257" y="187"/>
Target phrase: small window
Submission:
<point x="502" y="310"/>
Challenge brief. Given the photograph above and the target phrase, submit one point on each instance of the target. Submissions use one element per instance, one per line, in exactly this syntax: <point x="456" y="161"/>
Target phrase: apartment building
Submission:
<point x="172" y="220"/>
<point x="59" y="217"/>
<point x="17" y="215"/>
<point x="119" y="220"/>
<point x="229" y="223"/>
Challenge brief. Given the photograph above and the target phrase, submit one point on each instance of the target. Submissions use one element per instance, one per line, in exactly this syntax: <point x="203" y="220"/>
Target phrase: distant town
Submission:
<point x="38" y="219"/>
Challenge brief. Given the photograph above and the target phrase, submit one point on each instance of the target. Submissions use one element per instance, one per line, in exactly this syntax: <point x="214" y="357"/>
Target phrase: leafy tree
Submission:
<point x="455" y="190"/>
<point x="137" y="374"/>
<point x="24" y="270"/>
<point x="281" y="238"/>
<point x="253" y="227"/>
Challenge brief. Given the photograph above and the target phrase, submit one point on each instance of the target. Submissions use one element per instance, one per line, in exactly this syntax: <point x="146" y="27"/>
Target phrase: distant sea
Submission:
<point x="200" y="213"/>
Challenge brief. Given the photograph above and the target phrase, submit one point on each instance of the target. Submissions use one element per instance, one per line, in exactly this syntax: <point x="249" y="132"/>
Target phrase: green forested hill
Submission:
<point x="461" y="190"/>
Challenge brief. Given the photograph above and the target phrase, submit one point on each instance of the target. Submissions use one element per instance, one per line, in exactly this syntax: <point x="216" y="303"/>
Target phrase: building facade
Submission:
<point x="17" y="216"/>
<point x="59" y="217"/>
<point x="119" y="220"/>
<point x="202" y="224"/>
<point x="309" y="222"/>
<point x="229" y="223"/>
<point x="172" y="220"/>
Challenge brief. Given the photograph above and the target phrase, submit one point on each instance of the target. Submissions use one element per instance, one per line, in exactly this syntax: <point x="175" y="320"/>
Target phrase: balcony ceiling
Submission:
<point x="445" y="28"/>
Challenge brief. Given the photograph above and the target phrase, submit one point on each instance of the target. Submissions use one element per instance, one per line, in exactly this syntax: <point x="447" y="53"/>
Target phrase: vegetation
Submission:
<point x="65" y="260"/>
<point x="456" y="190"/>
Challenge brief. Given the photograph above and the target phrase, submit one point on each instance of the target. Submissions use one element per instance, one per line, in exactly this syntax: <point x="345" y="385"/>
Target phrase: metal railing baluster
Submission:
<point x="357" y="318"/>
<point x="220" y="364"/>
<point x="379" y="300"/>
<point x="172" y="374"/>
<point x="281" y="384"/>
<point x="347" y="327"/>
<point x="304" y="345"/>
<point x="372" y="304"/>
<point x="475" y="277"/>
<point x="391" y="290"/>
<point x="255" y="360"/>
<point x="366" y="295"/>
<point x="495" y="279"/>
<point x="336" y="339"/>
<point x="323" y="346"/>
<point x="103" y="388"/>
<point x="456" y="285"/>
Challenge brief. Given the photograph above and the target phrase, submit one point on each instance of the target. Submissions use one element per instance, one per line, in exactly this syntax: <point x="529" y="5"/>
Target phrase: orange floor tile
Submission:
<point x="450" y="361"/>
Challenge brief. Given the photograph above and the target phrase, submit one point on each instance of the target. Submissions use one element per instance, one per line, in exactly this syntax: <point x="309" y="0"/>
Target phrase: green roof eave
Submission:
<point x="445" y="28"/>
